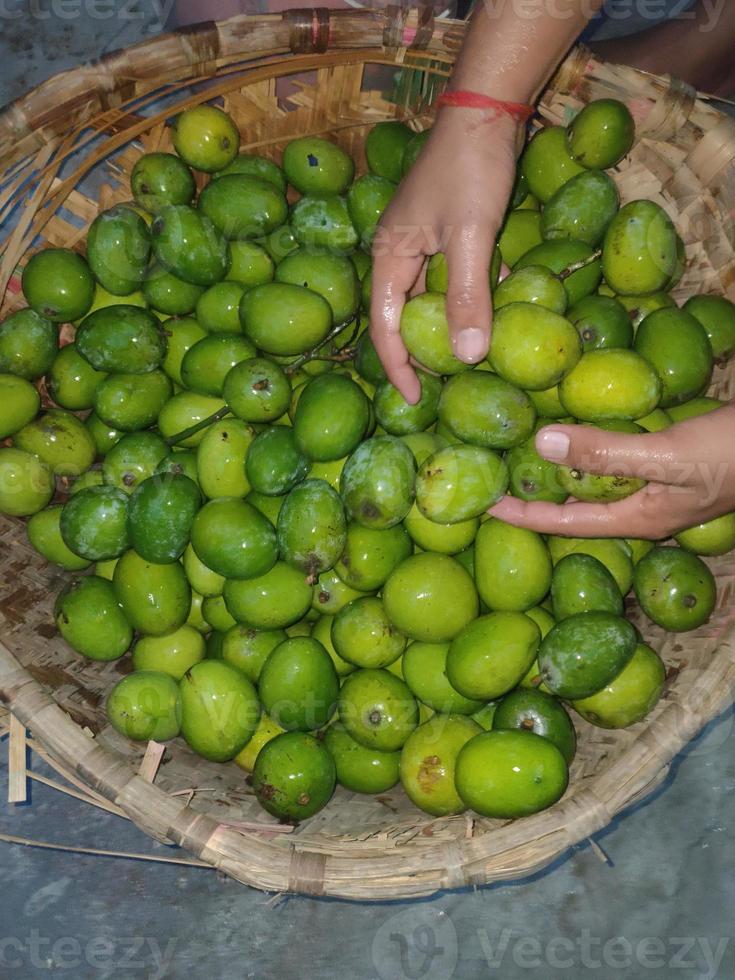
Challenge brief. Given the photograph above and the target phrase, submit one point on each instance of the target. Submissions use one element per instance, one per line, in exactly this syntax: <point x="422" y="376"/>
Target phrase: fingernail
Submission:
<point x="552" y="444"/>
<point x="470" y="345"/>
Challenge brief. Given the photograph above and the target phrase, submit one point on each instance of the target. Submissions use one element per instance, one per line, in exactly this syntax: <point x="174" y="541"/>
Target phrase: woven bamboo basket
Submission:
<point x="66" y="151"/>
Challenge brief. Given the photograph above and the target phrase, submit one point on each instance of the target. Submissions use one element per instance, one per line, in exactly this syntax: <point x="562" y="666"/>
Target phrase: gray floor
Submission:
<point x="662" y="908"/>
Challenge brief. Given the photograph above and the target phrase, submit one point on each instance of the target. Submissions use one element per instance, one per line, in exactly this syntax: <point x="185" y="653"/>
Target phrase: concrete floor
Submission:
<point x="662" y="908"/>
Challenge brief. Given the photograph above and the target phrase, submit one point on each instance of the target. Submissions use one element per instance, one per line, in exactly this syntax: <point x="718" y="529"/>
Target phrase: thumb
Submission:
<point x="647" y="456"/>
<point x="469" y="307"/>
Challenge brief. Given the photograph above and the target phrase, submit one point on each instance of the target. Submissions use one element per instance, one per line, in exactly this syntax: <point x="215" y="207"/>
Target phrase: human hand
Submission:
<point x="453" y="201"/>
<point x="690" y="468"/>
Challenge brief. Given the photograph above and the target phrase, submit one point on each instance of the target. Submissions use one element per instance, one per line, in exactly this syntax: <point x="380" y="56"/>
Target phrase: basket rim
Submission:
<point x="284" y="865"/>
<point x="511" y="851"/>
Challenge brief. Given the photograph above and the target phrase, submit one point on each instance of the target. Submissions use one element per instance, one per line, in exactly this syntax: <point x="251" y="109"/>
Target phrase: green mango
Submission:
<point x="118" y="247"/>
<point x="316" y="166"/>
<point x="547" y="164"/>
<point x="330" y="595"/>
<point x="425" y="332"/>
<point x="215" y="613"/>
<point x="273" y="601"/>
<point x="538" y="712"/>
<point x="611" y="383"/>
<point x="145" y="706"/>
<point x="370" y="555"/>
<point x="248" y="649"/>
<point x="201" y="578"/>
<point x="89" y="618"/>
<point x="532" y="347"/>
<point x="158" y="179"/>
<point x="234" y="539"/>
<point x="58" y="284"/>
<point x="484" y="410"/>
<point x="44" y="533"/>
<point x="713" y="538"/>
<point x="182" y="333"/>
<point x="459" y="483"/>
<point x="717" y="316"/>
<point x="583" y="653"/>
<point x="492" y="654"/>
<point x="166" y="293"/>
<point x="331" y="276"/>
<point x="218" y="308"/>
<point x="639" y="307"/>
<point x="133" y="459"/>
<point x="255" y="166"/>
<point x="601" y="321"/>
<point x="424" y="668"/>
<point x="274" y="464"/>
<point x="428" y="762"/>
<point x="367" y="362"/>
<point x="430" y="597"/>
<point x="121" y="338"/>
<point x="298" y="684"/>
<point x="512" y="566"/>
<point x="531" y="476"/>
<point x="280" y="242"/>
<point x="323" y="221"/>
<point x="72" y="381"/>
<point x="257" y="390"/>
<point x="250" y="265"/>
<point x="104" y="436"/>
<point x="675" y="589"/>
<point x="378" y="482"/>
<point x="582" y="209"/>
<point x="220" y="459"/>
<point x="331" y="417"/>
<point x="359" y="769"/>
<point x="601" y="134"/>
<point x="29" y="344"/>
<point x="280" y="318"/>
<point x="20" y="401"/>
<point x="160" y="516"/>
<point x="130" y="402"/>
<point x="311" y="528"/>
<point x="446" y="539"/>
<point x="367" y="199"/>
<point x="581" y="583"/>
<point x="219" y="710"/>
<point x="94" y="523"/>
<point x="243" y="207"/>
<point x="188" y="244"/>
<point x="60" y="440"/>
<point x="173" y="654"/>
<point x="294" y="776"/>
<point x="384" y="148"/>
<point x="614" y="553"/>
<point x="639" y="253"/>
<point x="678" y="348"/>
<point x="377" y="709"/>
<point x="205" y="137"/>
<point x="184" y="410"/>
<point x="155" y="598"/>
<point x="534" y="284"/>
<point x="694" y="408"/>
<point x="397" y="417"/>
<point x="630" y="696"/>
<point x="520" y="233"/>
<point x="207" y="363"/>
<point x="559" y="255"/>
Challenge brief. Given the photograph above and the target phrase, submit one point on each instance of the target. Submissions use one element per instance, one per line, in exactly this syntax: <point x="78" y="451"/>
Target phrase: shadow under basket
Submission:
<point x="66" y="150"/>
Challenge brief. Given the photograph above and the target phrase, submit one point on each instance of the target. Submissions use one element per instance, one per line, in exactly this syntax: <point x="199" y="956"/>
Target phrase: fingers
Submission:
<point x="469" y="305"/>
<point x="392" y="279"/>
<point x="654" y="513"/>
<point x="648" y="456"/>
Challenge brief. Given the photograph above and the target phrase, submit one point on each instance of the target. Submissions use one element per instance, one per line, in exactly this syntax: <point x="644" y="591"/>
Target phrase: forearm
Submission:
<point x="512" y="48"/>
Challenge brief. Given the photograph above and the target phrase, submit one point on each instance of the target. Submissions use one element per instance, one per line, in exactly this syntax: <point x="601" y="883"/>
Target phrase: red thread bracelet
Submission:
<point x="462" y="99"/>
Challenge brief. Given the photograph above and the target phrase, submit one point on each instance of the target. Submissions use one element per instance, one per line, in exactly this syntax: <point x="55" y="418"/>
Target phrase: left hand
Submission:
<point x="690" y="469"/>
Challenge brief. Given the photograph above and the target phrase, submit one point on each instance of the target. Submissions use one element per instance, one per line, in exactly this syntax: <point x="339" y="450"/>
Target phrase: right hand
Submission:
<point x="453" y="201"/>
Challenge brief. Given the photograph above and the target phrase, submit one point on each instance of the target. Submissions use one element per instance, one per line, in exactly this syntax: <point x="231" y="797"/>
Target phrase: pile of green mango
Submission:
<point x="298" y="565"/>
